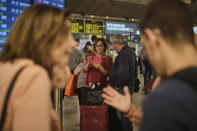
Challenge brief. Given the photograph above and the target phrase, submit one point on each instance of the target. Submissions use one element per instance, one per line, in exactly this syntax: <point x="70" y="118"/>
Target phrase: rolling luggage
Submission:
<point x="94" y="118"/>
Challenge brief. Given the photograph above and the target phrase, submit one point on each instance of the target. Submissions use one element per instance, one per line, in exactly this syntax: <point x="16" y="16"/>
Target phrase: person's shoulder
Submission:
<point x="128" y="49"/>
<point x="170" y="85"/>
<point x="35" y="72"/>
<point x="38" y="69"/>
<point x="166" y="92"/>
<point x="172" y="100"/>
<point x="174" y="90"/>
<point x="30" y="67"/>
<point x="33" y="78"/>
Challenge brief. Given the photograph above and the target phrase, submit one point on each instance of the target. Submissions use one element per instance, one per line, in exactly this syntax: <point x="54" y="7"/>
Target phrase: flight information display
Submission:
<point x="56" y="3"/>
<point x="9" y="10"/>
<point x="77" y="25"/>
<point x="195" y="29"/>
<point x="92" y="26"/>
<point x="116" y="27"/>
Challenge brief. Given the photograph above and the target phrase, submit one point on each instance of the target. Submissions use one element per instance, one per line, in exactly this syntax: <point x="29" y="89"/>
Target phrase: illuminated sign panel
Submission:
<point x="92" y="26"/>
<point x="56" y="3"/>
<point x="9" y="10"/>
<point x="77" y="26"/>
<point x="114" y="27"/>
<point x="195" y="29"/>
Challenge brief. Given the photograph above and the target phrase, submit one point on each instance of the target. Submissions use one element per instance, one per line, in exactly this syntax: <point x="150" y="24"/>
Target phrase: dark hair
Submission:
<point x="104" y="44"/>
<point x="93" y="38"/>
<point x="77" y="40"/>
<point x="33" y="33"/>
<point x="85" y="49"/>
<point x="171" y="17"/>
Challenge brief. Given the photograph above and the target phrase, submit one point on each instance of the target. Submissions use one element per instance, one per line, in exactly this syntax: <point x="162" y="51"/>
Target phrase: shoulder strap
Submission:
<point x="7" y="98"/>
<point x="188" y="75"/>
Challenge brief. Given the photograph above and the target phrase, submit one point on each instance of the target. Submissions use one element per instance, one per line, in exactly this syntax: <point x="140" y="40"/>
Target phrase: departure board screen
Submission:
<point x="9" y="10"/>
<point x="116" y="27"/>
<point x="56" y="3"/>
<point x="195" y="29"/>
<point x="77" y="25"/>
<point x="92" y="26"/>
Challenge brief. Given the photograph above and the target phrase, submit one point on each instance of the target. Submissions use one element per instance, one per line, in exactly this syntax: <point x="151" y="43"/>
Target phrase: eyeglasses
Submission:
<point x="99" y="45"/>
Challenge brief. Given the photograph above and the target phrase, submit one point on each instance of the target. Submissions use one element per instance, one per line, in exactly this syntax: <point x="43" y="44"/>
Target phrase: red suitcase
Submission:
<point x="94" y="118"/>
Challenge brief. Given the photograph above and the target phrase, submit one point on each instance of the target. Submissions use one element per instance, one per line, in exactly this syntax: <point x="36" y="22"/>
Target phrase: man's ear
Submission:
<point x="150" y="36"/>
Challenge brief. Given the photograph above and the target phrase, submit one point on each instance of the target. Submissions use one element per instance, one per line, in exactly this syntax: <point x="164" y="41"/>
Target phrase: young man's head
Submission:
<point x="167" y="29"/>
<point x="117" y="42"/>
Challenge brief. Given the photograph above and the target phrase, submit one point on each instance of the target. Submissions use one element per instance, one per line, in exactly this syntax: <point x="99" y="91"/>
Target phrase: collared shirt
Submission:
<point x="123" y="70"/>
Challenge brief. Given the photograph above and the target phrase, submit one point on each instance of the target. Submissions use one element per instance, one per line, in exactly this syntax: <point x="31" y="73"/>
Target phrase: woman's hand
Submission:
<point x="122" y="103"/>
<point x="86" y="67"/>
<point x="77" y="71"/>
<point x="117" y="100"/>
<point x="96" y="64"/>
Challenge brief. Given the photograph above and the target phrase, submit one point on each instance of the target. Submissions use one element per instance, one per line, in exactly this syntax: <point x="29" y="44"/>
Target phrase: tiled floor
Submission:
<point x="71" y="114"/>
<point x="71" y="109"/>
<point x="138" y="98"/>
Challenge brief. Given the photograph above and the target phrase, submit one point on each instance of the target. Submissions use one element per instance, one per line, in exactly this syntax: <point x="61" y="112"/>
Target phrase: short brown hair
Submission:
<point x="33" y="33"/>
<point x="103" y="42"/>
<point x="171" y="17"/>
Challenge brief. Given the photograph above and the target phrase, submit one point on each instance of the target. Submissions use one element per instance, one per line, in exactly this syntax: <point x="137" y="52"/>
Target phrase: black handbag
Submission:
<point x="3" y="114"/>
<point x="91" y="96"/>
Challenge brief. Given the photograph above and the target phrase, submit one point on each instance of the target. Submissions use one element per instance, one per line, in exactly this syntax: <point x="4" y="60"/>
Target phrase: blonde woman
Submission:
<point x="40" y="42"/>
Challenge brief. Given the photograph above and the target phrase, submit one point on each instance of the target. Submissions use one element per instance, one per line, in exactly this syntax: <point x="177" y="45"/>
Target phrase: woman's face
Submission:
<point x="99" y="47"/>
<point x="60" y="53"/>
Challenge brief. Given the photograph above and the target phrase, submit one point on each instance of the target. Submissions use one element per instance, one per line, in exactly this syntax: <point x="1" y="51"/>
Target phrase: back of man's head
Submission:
<point x="171" y="18"/>
<point x="118" y="38"/>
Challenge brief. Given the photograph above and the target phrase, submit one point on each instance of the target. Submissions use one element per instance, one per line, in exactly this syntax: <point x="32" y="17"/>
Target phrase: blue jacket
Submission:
<point x="123" y="70"/>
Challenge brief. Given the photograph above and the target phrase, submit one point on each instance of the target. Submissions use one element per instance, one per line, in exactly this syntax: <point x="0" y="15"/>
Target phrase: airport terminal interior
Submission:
<point x="94" y="26"/>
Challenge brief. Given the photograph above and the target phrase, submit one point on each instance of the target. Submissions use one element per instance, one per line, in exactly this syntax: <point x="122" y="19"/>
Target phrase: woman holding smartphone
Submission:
<point x="98" y="64"/>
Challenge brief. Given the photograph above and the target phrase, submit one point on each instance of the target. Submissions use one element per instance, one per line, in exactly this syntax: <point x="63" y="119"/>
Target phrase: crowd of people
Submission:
<point x="169" y="42"/>
<point x="37" y="61"/>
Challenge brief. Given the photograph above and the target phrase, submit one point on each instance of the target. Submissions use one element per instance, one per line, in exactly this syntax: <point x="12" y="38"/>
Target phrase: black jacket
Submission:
<point x="123" y="70"/>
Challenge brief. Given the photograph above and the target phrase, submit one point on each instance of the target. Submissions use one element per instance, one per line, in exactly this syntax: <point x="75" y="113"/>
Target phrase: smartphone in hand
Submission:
<point x="95" y="58"/>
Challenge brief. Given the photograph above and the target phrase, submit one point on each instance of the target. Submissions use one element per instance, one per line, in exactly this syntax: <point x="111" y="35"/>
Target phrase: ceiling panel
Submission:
<point x="114" y="8"/>
<point x="144" y="2"/>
